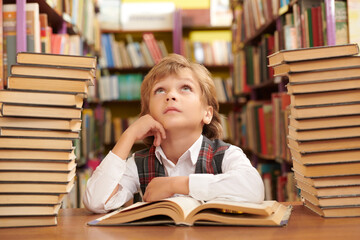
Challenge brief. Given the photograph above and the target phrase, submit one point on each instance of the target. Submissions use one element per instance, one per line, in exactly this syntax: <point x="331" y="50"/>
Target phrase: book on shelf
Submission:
<point x="53" y="71"/>
<point x="50" y="84"/>
<point x="327" y="170"/>
<point x="40" y="111"/>
<point x="30" y="198"/>
<point x="327" y="133"/>
<point x="323" y="123"/>
<point x="325" y="110"/>
<point x="324" y="85"/>
<point x="2" y="79"/>
<point x="189" y="211"/>
<point x="334" y="211"/>
<point x="321" y="52"/>
<point x="42" y="98"/>
<point x="324" y="75"/>
<point x="59" y="60"/>
<point x="38" y="133"/>
<point x="331" y="201"/>
<point x="36" y="143"/>
<point x="335" y="97"/>
<point x="325" y="144"/>
<point x="153" y="46"/>
<point x="28" y="221"/>
<point x="37" y="176"/>
<point x="36" y="165"/>
<point x="41" y="123"/>
<point x="308" y="158"/>
<point x="32" y="38"/>
<point x="29" y="210"/>
<point x="36" y="187"/>
<point x="319" y="64"/>
<point x="333" y="181"/>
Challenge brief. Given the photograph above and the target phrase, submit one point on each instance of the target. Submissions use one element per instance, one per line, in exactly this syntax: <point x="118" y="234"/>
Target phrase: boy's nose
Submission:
<point x="172" y="98"/>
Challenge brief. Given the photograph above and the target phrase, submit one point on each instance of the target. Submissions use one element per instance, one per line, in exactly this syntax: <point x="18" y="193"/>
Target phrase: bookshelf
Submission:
<point x="259" y="29"/>
<point x="110" y="116"/>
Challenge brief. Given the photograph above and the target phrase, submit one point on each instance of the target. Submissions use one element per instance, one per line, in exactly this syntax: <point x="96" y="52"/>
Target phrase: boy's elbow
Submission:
<point x="92" y="205"/>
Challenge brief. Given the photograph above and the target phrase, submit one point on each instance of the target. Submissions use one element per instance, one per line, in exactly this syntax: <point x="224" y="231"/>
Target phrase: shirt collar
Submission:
<point x="193" y="151"/>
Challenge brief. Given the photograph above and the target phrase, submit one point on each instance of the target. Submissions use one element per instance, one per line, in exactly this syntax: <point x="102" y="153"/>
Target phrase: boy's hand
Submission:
<point x="164" y="187"/>
<point x="147" y="126"/>
<point x="143" y="127"/>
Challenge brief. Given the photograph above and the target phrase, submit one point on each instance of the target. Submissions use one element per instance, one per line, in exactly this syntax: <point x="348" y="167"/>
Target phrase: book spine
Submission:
<point x="330" y="22"/>
<point x="2" y="79"/>
<point x="20" y="26"/>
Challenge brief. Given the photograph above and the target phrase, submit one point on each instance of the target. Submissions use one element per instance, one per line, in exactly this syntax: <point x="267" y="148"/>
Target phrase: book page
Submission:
<point x="265" y="208"/>
<point x="187" y="204"/>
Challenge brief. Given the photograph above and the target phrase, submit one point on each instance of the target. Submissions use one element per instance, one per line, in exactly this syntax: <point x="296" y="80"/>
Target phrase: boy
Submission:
<point x="179" y="115"/>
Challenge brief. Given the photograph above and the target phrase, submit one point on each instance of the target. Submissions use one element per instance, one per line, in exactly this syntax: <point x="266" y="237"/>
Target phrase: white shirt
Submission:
<point x="240" y="181"/>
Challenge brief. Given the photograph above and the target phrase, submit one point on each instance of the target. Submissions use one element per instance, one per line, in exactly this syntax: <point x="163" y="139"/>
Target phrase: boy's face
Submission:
<point x="175" y="102"/>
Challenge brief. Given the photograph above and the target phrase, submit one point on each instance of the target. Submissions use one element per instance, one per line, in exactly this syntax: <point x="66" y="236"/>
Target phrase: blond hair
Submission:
<point x="172" y="65"/>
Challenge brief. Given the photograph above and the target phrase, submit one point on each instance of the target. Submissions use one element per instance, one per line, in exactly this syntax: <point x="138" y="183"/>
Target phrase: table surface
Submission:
<point x="303" y="224"/>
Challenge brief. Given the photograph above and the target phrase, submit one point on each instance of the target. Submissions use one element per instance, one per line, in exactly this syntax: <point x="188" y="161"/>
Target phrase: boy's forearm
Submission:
<point x="123" y="146"/>
<point x="181" y="185"/>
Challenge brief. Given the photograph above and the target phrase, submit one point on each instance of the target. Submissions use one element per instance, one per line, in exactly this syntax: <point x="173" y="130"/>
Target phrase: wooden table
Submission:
<point x="303" y="224"/>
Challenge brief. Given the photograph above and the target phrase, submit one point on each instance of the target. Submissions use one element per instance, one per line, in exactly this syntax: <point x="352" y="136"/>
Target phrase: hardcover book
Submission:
<point x="188" y="211"/>
<point x="56" y="59"/>
<point x="54" y="71"/>
<point x="39" y="111"/>
<point x="42" y="98"/>
<point x="338" y="211"/>
<point x="36" y="164"/>
<point x="312" y="53"/>
<point x="326" y="85"/>
<point x="28" y="221"/>
<point x="48" y="84"/>
<point x="40" y="123"/>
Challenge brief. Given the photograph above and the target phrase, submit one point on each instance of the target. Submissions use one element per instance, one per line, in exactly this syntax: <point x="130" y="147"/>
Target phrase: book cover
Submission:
<point x="39" y="111"/>
<point x="40" y="123"/>
<point x="331" y="156"/>
<point x="28" y="221"/>
<point x="48" y="84"/>
<point x="327" y="170"/>
<point x="335" y="181"/>
<point x="56" y="59"/>
<point x="19" y="162"/>
<point x="42" y="98"/>
<point x="312" y="53"/>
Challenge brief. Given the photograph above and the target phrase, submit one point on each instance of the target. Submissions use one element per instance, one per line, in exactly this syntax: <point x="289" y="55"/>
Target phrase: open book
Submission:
<point x="189" y="211"/>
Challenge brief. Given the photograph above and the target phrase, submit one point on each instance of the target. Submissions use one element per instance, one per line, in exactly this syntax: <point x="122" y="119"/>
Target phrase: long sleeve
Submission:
<point x="240" y="181"/>
<point x="111" y="172"/>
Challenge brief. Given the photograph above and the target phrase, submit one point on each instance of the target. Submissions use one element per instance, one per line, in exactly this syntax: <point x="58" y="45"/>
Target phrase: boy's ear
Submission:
<point x="208" y="115"/>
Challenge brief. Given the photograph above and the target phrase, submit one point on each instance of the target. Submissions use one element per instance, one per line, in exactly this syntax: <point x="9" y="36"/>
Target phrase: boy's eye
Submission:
<point x="186" y="88"/>
<point x="159" y="90"/>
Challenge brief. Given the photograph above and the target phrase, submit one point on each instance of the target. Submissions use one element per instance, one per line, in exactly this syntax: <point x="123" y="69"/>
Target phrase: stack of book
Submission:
<point x="39" y="119"/>
<point x="324" y="125"/>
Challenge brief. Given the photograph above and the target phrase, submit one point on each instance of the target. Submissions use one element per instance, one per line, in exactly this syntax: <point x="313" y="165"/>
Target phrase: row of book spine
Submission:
<point x="306" y="24"/>
<point x="38" y="127"/>
<point x="264" y="127"/>
<point x="130" y="53"/>
<point x="42" y="37"/>
<point x="211" y="53"/>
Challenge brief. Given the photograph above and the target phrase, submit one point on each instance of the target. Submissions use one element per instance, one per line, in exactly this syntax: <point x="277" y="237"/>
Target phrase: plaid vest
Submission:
<point x="209" y="161"/>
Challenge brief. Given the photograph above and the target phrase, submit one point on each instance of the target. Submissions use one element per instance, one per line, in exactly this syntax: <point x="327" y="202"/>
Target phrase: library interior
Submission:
<point x="71" y="93"/>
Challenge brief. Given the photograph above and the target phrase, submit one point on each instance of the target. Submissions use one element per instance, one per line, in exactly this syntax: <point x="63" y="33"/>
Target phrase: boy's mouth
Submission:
<point x="171" y="109"/>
